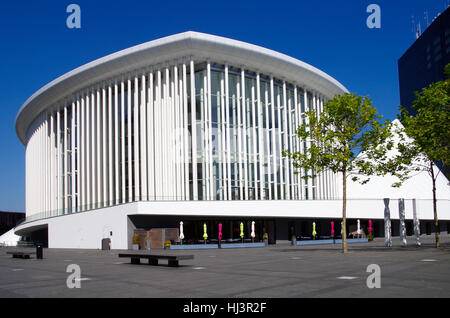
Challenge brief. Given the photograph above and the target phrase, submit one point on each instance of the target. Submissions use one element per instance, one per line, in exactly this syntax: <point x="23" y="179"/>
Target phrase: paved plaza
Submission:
<point x="275" y="271"/>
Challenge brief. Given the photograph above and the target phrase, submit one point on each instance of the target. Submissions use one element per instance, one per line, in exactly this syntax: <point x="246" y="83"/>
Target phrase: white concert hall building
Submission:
<point x="190" y="127"/>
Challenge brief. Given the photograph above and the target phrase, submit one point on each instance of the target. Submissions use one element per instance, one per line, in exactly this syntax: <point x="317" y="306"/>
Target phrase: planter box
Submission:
<point x="159" y="236"/>
<point x="213" y="246"/>
<point x="193" y="246"/>
<point x="339" y="241"/>
<point x="135" y="247"/>
<point x="243" y="245"/>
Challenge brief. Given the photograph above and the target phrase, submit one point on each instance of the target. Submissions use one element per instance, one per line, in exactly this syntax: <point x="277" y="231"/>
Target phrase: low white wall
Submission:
<point x="87" y="229"/>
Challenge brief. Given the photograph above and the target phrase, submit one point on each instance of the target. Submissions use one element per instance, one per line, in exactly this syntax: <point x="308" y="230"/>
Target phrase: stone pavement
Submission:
<point x="276" y="271"/>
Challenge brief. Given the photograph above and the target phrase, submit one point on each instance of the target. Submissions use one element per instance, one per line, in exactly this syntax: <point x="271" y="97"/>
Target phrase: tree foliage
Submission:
<point x="347" y="138"/>
<point x="429" y="128"/>
<point x="424" y="140"/>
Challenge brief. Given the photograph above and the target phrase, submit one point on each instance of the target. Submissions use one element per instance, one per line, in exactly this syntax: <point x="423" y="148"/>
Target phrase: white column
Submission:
<point x="291" y="150"/>
<point x="99" y="150"/>
<point x="87" y="125"/>
<point x="286" y="144"/>
<point x="157" y="137"/>
<point x="297" y="141"/>
<point x="212" y="178"/>
<point x="52" y="162"/>
<point x="270" y="169"/>
<point x="316" y="190"/>
<point x="323" y="174"/>
<point x="175" y="132"/>
<point x="83" y="152"/>
<point x="283" y="122"/>
<point x="150" y="138"/>
<point x="73" y="153"/>
<point x="179" y="111"/>
<point x="205" y="141"/>
<point x="186" y="133"/>
<point x="260" y="137"/>
<point x="78" y="166"/>
<point x="104" y="153"/>
<point x="94" y="181"/>
<point x="228" y="132"/>
<point x="57" y="159"/>
<point x="167" y="164"/>
<point x="194" y="130"/>
<point x="275" y="134"/>
<point x="129" y="141"/>
<point x="255" y="149"/>
<point x="239" y="140"/>
<point x="244" y="133"/>
<point x="122" y="137"/>
<point x="66" y="171"/>
<point x="110" y="146"/>
<point x="223" y="149"/>
<point x="117" y="195"/>
<point x="143" y="135"/>
<point x="308" y="143"/>
<point x="45" y="168"/>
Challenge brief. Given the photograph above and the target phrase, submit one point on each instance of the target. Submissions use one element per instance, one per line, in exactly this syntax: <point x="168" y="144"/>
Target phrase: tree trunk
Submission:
<point x="344" y="211"/>
<point x="436" y="222"/>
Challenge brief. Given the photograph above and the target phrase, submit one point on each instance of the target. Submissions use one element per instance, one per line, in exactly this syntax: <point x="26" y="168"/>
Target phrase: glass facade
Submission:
<point x="185" y="131"/>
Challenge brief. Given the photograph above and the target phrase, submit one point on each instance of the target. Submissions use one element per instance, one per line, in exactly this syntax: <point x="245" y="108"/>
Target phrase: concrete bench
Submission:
<point x="20" y="254"/>
<point x="153" y="259"/>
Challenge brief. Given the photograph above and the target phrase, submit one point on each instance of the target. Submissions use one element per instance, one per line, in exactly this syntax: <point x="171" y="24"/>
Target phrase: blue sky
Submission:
<point x="331" y="35"/>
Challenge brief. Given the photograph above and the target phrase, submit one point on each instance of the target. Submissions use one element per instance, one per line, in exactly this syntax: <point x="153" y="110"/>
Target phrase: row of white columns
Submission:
<point x="134" y="137"/>
<point x="247" y="150"/>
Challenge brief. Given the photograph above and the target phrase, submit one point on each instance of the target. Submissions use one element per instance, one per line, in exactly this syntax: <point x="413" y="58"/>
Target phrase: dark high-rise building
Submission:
<point x="423" y="63"/>
<point x="8" y="220"/>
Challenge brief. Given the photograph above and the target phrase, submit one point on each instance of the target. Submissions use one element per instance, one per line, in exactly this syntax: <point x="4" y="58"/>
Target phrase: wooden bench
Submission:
<point x="153" y="259"/>
<point x="20" y="254"/>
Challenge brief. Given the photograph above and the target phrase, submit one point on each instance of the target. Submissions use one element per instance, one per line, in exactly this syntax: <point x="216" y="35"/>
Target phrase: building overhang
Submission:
<point x="199" y="45"/>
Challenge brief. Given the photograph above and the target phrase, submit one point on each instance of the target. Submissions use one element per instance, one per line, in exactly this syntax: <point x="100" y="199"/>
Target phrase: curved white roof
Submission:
<point x="199" y="45"/>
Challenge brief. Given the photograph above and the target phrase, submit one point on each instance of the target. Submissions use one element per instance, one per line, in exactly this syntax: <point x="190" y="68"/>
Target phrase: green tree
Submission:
<point x="429" y="136"/>
<point x="346" y="138"/>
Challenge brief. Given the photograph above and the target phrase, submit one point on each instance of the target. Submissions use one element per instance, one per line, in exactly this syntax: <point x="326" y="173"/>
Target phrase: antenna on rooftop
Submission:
<point x="426" y="18"/>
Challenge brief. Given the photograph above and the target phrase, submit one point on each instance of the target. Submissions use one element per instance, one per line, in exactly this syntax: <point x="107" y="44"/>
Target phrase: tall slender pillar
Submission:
<point x="387" y="224"/>
<point x="401" y="213"/>
<point x="228" y="131"/>
<point x="276" y="146"/>
<point x="117" y="165"/>
<point x="416" y="223"/>
<point x="260" y="137"/>
<point x="194" y="130"/>
<point x="129" y="141"/>
<point x="244" y="133"/>
<point x="143" y="135"/>
<point x="150" y="137"/>
<point x="122" y="139"/>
